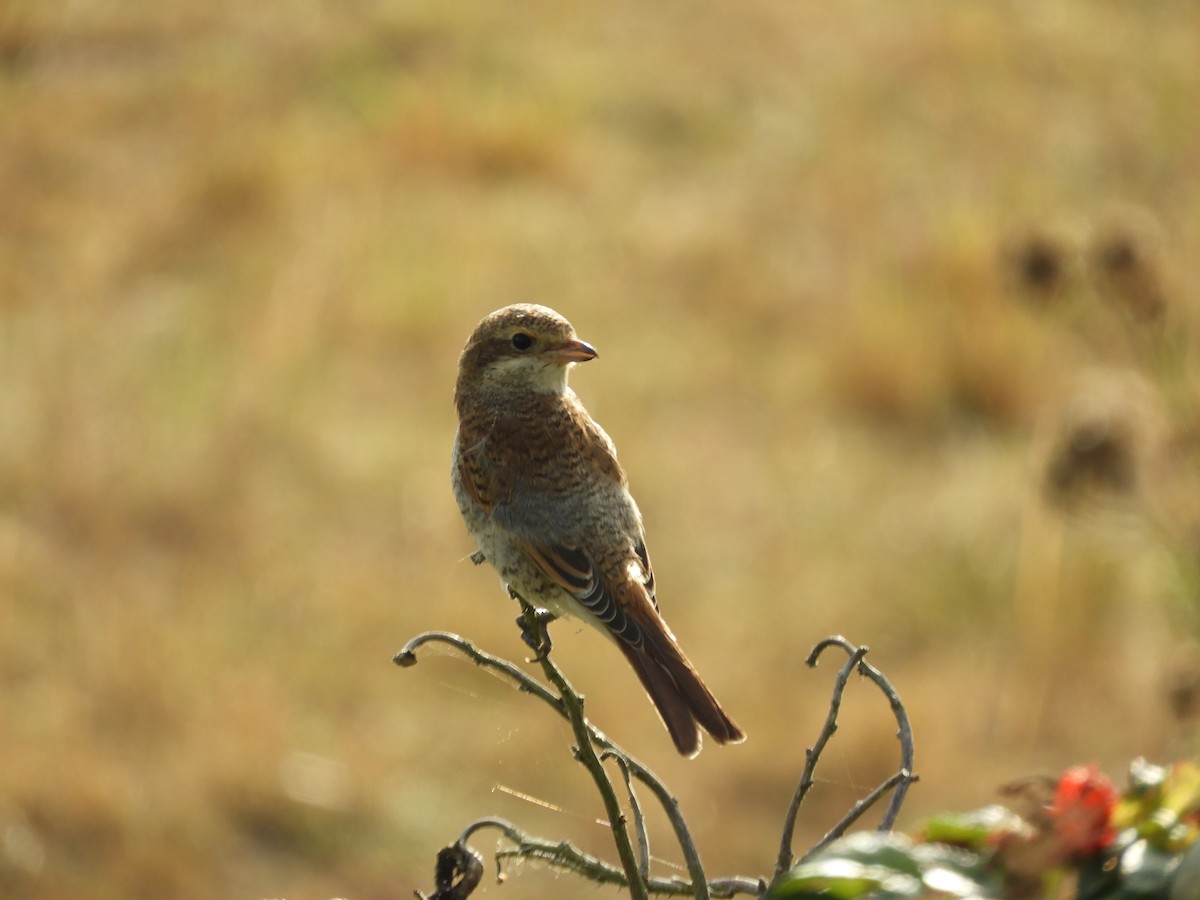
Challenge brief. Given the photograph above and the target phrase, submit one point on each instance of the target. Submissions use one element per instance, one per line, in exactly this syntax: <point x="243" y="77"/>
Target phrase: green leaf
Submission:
<point x="886" y="867"/>
<point x="972" y="829"/>
<point x="955" y="872"/>
<point x="875" y="848"/>
<point x="863" y="863"/>
<point x="843" y="878"/>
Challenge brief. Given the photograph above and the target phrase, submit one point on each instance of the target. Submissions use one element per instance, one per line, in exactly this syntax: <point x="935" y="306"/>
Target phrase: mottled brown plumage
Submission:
<point x="539" y="486"/>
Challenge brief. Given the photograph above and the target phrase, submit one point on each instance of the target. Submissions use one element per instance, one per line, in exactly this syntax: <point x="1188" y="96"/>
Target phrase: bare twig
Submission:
<point x="639" y="818"/>
<point x="609" y="748"/>
<point x="813" y="754"/>
<point x="670" y="805"/>
<point x="698" y="886"/>
<point x="566" y="856"/>
<point x="559" y="854"/>
<point x="903" y="734"/>
<point x="407" y="657"/>
<point x="633" y="873"/>
<point x="903" y="726"/>
<point x="898" y="782"/>
<point x="899" y="777"/>
<point x="585" y="752"/>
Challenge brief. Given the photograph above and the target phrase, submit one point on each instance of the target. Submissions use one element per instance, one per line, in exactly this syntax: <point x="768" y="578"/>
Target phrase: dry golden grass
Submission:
<point x="240" y="247"/>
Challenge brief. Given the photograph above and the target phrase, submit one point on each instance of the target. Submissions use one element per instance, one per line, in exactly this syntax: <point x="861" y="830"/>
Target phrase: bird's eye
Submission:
<point x="522" y="341"/>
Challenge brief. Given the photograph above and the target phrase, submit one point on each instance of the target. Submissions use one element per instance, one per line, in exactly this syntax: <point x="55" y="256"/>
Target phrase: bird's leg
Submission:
<point x="536" y="638"/>
<point x="539" y="639"/>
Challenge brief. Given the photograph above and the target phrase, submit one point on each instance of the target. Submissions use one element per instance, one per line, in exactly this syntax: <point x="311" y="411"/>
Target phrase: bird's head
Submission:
<point x="520" y="349"/>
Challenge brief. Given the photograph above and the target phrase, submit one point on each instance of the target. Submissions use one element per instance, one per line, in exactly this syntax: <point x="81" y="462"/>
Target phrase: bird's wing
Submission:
<point x="626" y="608"/>
<point x="648" y="572"/>
<point x="614" y="605"/>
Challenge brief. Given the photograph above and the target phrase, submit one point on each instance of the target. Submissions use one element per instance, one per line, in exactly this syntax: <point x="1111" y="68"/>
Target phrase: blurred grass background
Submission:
<point x="835" y="259"/>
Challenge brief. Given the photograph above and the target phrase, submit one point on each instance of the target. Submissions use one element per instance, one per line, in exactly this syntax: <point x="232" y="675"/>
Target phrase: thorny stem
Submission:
<point x="899" y="780"/>
<point x="639" y="818"/>
<point x="588" y="738"/>
<point x="813" y="754"/>
<point x="903" y="727"/>
<point x="902" y="776"/>
<point x="700" y="887"/>
<point x="407" y="657"/>
<point x="585" y="752"/>
<point x="569" y="705"/>
<point x="670" y="805"/>
<point x="565" y="855"/>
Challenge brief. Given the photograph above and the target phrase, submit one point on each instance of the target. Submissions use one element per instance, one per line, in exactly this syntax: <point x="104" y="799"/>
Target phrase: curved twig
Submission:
<point x="634" y="871"/>
<point x="585" y="752"/>
<point x="407" y="657"/>
<point x="560" y="854"/>
<point x="897" y="783"/>
<point x="635" y="807"/>
<point x="902" y="776"/>
<point x="670" y="805"/>
<point x="904" y="735"/>
<point x="698" y="886"/>
<point x="813" y="753"/>
<point x="566" y="856"/>
<point x="903" y="726"/>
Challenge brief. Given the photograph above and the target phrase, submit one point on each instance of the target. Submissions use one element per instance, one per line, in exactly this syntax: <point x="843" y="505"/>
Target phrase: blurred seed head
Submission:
<point x="1102" y="443"/>
<point x="1126" y="263"/>
<point x="1094" y="455"/>
<point x="1038" y="265"/>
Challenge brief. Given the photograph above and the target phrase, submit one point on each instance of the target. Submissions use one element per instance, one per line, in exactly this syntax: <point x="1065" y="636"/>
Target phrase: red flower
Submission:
<point x="1083" y="804"/>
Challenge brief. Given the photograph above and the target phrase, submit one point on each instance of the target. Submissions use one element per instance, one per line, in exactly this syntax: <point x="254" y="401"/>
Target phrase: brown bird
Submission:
<point x="538" y="483"/>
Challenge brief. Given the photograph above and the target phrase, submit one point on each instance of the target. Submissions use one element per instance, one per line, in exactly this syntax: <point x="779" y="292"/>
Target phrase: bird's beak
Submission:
<point x="572" y="352"/>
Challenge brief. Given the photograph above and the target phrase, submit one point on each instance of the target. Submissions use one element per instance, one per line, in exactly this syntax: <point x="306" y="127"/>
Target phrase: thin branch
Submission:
<point x="903" y="726"/>
<point x="856" y="811"/>
<point x="585" y="752"/>
<point x="699" y="886"/>
<point x="904" y="735"/>
<point x="634" y="871"/>
<point x="559" y="854"/>
<point x="593" y="736"/>
<point x="566" y="856"/>
<point x="897" y="783"/>
<point x="407" y="657"/>
<point x="813" y="753"/>
<point x="670" y="805"/>
<point x="639" y="818"/>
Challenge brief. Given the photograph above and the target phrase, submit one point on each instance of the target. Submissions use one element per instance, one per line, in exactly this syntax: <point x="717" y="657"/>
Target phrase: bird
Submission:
<point x="538" y="484"/>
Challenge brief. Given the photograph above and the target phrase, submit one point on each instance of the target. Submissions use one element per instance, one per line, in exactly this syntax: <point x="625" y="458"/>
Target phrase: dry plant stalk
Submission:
<point x="459" y="867"/>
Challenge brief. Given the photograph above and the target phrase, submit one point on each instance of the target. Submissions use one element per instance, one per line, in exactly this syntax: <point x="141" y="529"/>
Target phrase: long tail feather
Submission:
<point x="680" y="696"/>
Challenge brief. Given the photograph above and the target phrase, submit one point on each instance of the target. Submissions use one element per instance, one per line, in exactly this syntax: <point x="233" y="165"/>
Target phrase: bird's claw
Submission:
<point x="537" y="639"/>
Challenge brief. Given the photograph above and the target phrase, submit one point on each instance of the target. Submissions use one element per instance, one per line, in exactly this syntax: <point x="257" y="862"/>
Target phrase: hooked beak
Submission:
<point x="572" y="352"/>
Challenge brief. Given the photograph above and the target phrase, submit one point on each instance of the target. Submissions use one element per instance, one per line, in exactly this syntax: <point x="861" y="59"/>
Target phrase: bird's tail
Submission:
<point x="682" y="699"/>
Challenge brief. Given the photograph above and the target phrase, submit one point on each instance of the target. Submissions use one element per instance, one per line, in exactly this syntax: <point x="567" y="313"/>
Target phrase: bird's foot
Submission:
<point x="537" y="638"/>
<point x="478" y="558"/>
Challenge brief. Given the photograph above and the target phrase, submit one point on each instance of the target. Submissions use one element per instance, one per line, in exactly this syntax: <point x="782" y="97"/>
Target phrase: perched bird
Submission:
<point x="538" y="483"/>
